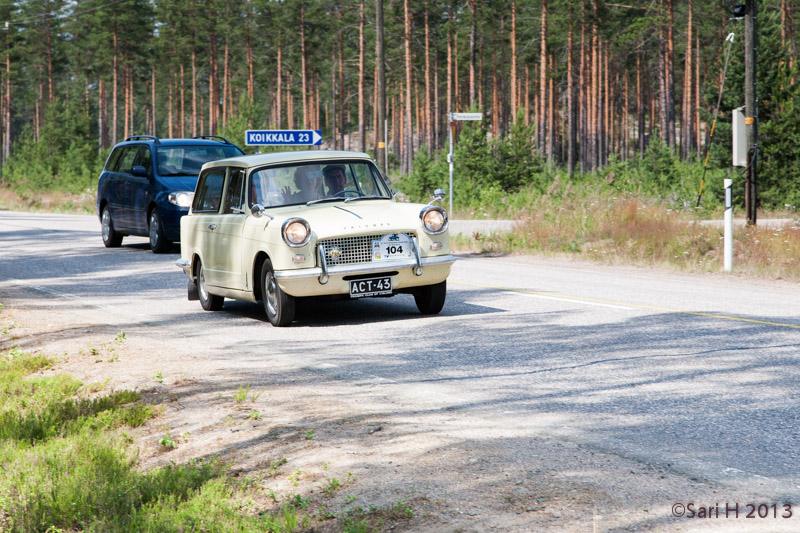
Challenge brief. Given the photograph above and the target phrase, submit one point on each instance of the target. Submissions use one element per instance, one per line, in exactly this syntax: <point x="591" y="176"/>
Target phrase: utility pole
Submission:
<point x="751" y="110"/>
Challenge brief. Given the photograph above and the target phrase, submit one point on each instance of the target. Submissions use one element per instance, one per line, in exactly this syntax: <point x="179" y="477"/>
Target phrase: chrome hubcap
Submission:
<point x="201" y="285"/>
<point x="272" y="296"/>
<point x="153" y="229"/>
<point x="106" y="223"/>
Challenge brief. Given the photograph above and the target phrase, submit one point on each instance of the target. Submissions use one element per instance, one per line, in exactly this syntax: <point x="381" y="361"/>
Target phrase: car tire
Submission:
<point x="158" y="241"/>
<point x="111" y="239"/>
<point x="430" y="298"/>
<point x="210" y="302"/>
<point x="278" y="305"/>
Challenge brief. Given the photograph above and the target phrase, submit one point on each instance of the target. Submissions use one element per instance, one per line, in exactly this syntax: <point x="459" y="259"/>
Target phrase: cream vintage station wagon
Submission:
<point x="282" y="226"/>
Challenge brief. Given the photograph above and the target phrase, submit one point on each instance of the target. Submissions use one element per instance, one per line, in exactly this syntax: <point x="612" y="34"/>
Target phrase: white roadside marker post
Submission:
<point x="727" y="239"/>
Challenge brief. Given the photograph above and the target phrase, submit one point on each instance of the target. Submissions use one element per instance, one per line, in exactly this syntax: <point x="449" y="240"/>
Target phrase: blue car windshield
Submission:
<point x="186" y="160"/>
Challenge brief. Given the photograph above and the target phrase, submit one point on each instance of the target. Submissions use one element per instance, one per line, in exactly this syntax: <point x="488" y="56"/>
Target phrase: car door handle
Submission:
<point x="212" y="227"/>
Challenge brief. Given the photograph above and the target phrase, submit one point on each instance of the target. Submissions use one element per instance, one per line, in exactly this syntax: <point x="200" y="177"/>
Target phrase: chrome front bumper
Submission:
<point x="364" y="268"/>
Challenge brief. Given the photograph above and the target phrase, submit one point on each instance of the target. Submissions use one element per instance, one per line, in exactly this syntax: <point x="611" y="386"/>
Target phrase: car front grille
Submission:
<point x="351" y="250"/>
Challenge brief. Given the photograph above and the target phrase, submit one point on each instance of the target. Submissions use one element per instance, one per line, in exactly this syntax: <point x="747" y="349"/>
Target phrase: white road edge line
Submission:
<point x="558" y="299"/>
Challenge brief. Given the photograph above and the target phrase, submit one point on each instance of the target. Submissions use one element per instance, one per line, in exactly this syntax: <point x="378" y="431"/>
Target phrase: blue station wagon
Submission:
<point x="148" y="184"/>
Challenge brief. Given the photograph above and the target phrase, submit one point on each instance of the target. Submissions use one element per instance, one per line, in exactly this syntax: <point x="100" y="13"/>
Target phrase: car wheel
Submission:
<point x="210" y="302"/>
<point x="158" y="242"/>
<point x="278" y="305"/>
<point x="430" y="298"/>
<point x="111" y="239"/>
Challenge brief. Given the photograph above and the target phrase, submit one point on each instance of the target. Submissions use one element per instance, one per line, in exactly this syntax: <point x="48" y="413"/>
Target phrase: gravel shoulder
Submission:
<point x="457" y="471"/>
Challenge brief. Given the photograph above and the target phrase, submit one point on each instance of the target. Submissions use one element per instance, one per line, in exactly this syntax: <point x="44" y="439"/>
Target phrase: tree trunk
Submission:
<point x="428" y="132"/>
<point x="250" y="60"/>
<point x="594" y="93"/>
<point x="408" y="154"/>
<point x="279" y="83"/>
<point x="303" y="79"/>
<point x="670" y="75"/>
<point x="51" y="98"/>
<point x="226" y="107"/>
<point x="115" y="83"/>
<point x="380" y="101"/>
<point x="194" y="74"/>
<point x="540" y="124"/>
<point x="450" y="61"/>
<point x="341" y="76"/>
<point x="472" y="55"/>
<point x="213" y="77"/>
<point x="570" y="99"/>
<point x="362" y="129"/>
<point x="551" y="115"/>
<point x="101" y="114"/>
<point x="687" y="126"/>
<point x="513" y="39"/>
<point x="787" y="31"/>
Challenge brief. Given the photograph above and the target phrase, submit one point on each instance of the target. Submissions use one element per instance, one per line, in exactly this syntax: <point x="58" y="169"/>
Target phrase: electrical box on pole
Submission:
<point x="739" y="138"/>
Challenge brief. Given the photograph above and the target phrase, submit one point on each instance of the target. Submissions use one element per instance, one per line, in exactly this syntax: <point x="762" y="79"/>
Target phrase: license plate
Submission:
<point x="392" y="246"/>
<point x="359" y="288"/>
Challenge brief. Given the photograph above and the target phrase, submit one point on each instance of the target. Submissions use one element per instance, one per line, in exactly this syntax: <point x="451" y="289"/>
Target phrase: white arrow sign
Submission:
<point x="466" y="116"/>
<point x="282" y="137"/>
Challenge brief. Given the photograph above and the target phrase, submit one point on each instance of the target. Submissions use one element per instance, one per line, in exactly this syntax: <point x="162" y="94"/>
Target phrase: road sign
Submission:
<point x="453" y="118"/>
<point x="282" y="137"/>
<point x="466" y="116"/>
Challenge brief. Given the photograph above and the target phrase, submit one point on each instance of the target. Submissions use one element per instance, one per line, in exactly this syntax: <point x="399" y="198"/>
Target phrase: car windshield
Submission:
<point x="186" y="160"/>
<point x="316" y="182"/>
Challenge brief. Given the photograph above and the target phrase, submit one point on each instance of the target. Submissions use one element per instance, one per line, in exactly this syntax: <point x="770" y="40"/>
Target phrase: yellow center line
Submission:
<point x="626" y="304"/>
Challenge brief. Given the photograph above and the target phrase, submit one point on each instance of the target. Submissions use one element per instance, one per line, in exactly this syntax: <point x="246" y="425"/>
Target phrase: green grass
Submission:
<point x="67" y="464"/>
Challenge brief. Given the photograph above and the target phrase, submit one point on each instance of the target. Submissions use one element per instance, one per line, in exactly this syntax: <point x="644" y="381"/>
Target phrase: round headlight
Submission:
<point x="434" y="220"/>
<point x="296" y="232"/>
<point x="181" y="198"/>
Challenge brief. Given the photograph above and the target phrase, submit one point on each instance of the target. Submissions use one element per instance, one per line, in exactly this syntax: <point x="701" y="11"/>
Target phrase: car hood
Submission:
<point x="359" y="218"/>
<point x="179" y="183"/>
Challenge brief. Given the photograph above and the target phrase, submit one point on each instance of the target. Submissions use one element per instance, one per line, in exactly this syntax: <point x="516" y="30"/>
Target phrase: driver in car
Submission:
<point x="335" y="179"/>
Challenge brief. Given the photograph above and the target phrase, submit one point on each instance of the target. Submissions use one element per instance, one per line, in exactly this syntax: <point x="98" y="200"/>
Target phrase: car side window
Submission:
<point x="113" y="161"/>
<point x="143" y="158"/>
<point x="234" y="197"/>
<point x="209" y="191"/>
<point x="127" y="159"/>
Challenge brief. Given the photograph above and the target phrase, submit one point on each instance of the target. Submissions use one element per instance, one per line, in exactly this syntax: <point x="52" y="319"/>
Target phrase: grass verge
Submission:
<point x="68" y="464"/>
<point x="627" y="229"/>
<point x="48" y="201"/>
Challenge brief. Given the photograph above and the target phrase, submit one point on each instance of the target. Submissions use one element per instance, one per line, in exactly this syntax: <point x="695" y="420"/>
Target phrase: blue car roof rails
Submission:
<point x="213" y="137"/>
<point x="143" y="137"/>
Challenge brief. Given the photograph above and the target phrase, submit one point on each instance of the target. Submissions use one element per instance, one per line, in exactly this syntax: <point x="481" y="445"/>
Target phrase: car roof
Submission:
<point x="298" y="156"/>
<point x="138" y="139"/>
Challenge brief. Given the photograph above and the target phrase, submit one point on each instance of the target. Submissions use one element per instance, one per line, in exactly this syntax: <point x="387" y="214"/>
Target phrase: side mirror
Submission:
<point x="258" y="210"/>
<point x="438" y="196"/>
<point x="139" y="171"/>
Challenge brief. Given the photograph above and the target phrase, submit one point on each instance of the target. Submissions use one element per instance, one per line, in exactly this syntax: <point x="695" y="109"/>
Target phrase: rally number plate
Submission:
<point x="392" y="246"/>
<point x="359" y="288"/>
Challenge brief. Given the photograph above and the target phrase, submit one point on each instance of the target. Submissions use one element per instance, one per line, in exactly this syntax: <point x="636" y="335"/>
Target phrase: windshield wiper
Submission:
<point x="371" y="197"/>
<point x="328" y="199"/>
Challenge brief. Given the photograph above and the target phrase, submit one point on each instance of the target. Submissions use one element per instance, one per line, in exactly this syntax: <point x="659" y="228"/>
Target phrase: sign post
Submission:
<point x="453" y="118"/>
<point x="282" y="137"/>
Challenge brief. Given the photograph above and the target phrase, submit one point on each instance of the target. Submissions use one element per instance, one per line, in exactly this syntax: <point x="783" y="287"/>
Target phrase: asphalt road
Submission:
<point x="697" y="373"/>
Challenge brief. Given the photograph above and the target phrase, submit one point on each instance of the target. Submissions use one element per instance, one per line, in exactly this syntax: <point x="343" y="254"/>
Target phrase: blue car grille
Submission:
<point x="351" y="250"/>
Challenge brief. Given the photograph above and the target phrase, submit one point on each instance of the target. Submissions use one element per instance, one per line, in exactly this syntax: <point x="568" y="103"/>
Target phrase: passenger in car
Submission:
<point x="308" y="180"/>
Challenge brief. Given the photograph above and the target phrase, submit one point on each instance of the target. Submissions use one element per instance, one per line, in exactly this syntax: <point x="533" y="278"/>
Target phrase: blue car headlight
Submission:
<point x="181" y="198"/>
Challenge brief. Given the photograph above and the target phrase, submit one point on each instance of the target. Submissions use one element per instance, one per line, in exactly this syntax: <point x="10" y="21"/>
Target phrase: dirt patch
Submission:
<point x="311" y="443"/>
